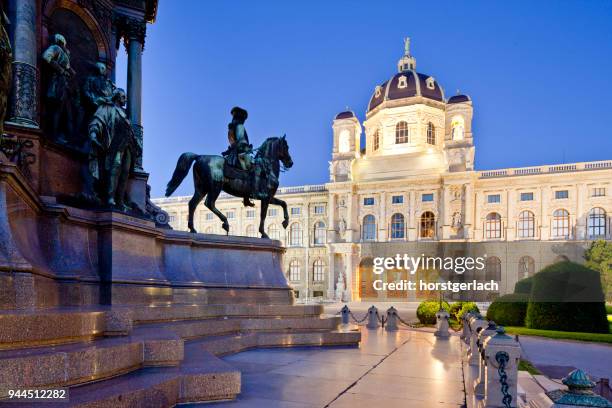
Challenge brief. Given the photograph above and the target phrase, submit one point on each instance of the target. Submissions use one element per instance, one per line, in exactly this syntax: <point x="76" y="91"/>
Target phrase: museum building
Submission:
<point x="413" y="189"/>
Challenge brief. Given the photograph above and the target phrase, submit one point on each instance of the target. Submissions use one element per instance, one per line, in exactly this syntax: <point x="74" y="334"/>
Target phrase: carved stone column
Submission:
<point x="134" y="37"/>
<point x="23" y="108"/>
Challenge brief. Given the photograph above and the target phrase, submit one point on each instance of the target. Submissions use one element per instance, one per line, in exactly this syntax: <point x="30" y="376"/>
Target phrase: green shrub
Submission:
<point x="465" y="308"/>
<point x="524" y="286"/>
<point x="426" y="312"/>
<point x="567" y="296"/>
<point x="455" y="308"/>
<point x="509" y="310"/>
<point x="609" y="309"/>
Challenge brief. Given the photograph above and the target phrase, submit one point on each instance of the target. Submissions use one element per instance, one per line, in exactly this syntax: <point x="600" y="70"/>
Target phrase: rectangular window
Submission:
<point x="397" y="199"/>
<point x="209" y="216"/>
<point x="493" y="198"/>
<point x="561" y="194"/>
<point x="427" y="197"/>
<point x="172" y="218"/>
<point x="250" y="214"/>
<point x="295" y="210"/>
<point x="319" y="209"/>
<point x="272" y="212"/>
<point x="317" y="293"/>
<point x="526" y="196"/>
<point x="599" y="192"/>
<point x="368" y="201"/>
<point x="230" y="215"/>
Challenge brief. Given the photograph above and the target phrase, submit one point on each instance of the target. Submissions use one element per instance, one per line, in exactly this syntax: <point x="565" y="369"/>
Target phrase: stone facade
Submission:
<point x="413" y="188"/>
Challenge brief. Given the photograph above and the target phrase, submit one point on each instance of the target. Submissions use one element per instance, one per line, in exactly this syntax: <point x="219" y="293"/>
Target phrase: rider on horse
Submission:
<point x="238" y="154"/>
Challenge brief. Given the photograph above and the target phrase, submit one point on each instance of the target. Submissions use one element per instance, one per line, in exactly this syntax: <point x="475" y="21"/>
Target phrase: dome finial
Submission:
<point x="407" y="46"/>
<point x="407" y="62"/>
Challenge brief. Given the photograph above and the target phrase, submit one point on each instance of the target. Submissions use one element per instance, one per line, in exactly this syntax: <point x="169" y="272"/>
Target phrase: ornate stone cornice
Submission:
<point x="129" y="28"/>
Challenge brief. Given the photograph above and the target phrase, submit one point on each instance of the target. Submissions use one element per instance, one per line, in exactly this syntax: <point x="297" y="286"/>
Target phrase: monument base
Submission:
<point x="127" y="314"/>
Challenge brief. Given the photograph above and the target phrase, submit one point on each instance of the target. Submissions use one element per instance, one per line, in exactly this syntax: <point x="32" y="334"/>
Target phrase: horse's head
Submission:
<point x="283" y="152"/>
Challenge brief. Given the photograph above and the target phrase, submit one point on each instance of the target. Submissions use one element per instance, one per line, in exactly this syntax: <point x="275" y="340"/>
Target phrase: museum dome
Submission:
<point x="347" y="114"/>
<point x="406" y="83"/>
<point x="459" y="98"/>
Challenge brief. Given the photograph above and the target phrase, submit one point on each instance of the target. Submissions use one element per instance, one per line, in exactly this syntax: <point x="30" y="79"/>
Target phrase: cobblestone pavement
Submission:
<point x="402" y="369"/>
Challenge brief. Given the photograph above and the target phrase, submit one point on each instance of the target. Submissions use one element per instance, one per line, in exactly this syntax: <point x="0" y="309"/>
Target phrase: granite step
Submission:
<point x="191" y="329"/>
<point x="201" y="378"/>
<point x="77" y="363"/>
<point x="33" y="328"/>
<point x="237" y="342"/>
<point x="165" y="312"/>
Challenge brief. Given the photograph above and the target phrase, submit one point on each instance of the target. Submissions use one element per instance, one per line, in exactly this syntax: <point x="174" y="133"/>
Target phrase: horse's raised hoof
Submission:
<point x="248" y="203"/>
<point x="285" y="224"/>
<point x="225" y="226"/>
<point x="193" y="231"/>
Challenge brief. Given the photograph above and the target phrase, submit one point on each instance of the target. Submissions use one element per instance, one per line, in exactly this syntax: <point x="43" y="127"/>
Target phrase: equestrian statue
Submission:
<point x="237" y="172"/>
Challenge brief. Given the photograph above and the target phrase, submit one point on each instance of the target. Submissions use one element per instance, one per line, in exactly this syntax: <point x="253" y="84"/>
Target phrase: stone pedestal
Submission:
<point x="372" y="318"/>
<point x="479" y="383"/>
<point x="477" y="323"/>
<point x="502" y="354"/>
<point x="137" y="189"/>
<point x="442" y="324"/>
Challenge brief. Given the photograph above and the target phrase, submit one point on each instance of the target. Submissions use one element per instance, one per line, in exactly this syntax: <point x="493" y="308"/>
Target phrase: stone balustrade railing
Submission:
<point x="559" y="168"/>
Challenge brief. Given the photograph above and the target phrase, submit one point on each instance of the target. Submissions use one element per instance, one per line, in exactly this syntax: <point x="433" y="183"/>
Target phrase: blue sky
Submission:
<point x="539" y="74"/>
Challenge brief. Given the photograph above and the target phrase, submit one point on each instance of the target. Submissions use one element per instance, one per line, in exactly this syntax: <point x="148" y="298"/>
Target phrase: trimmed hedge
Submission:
<point x="524" y="286"/>
<point x="455" y="308"/>
<point x="465" y="308"/>
<point x="567" y="296"/>
<point x="509" y="310"/>
<point x="426" y="312"/>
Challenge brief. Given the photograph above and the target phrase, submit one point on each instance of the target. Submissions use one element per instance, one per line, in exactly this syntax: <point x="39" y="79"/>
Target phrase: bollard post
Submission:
<point x="502" y="354"/>
<point x="579" y="394"/>
<point x="442" y="324"/>
<point x="346" y="312"/>
<point x="372" y="318"/>
<point x="391" y="319"/>
<point x="477" y="323"/>
<point x="479" y="383"/>
<point x="465" y="320"/>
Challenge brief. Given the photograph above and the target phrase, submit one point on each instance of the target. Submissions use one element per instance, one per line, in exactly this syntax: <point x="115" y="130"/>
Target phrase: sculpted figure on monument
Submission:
<point x="98" y="89"/>
<point x="6" y="59"/>
<point x="236" y="173"/>
<point x="113" y="146"/>
<point x="57" y="58"/>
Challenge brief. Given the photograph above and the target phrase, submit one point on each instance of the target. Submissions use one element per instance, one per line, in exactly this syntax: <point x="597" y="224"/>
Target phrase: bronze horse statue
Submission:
<point x="211" y="175"/>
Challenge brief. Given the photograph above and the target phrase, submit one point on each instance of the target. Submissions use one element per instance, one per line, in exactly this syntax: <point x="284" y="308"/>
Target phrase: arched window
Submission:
<point x="428" y="225"/>
<point x="493" y="269"/>
<point x="294" y="270"/>
<point x="597" y="223"/>
<point x="431" y="134"/>
<point x="369" y="228"/>
<point x="319" y="233"/>
<point x="526" y="224"/>
<point x="344" y="142"/>
<point x="493" y="226"/>
<point x="401" y="132"/>
<point x="526" y="267"/>
<point x="295" y="234"/>
<point x="457" y="127"/>
<point x="317" y="271"/>
<point x="274" y="232"/>
<point x="560" y="224"/>
<point x="397" y="226"/>
<point x="376" y="140"/>
<point x="250" y="231"/>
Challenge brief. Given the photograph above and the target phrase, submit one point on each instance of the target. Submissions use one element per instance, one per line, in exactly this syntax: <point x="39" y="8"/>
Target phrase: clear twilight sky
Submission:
<point x="539" y="75"/>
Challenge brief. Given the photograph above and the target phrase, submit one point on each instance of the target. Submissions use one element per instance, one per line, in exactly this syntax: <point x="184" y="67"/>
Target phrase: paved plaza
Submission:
<point x="401" y="369"/>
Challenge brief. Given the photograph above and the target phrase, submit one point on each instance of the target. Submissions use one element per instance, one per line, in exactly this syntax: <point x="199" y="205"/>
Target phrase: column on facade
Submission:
<point x="477" y="225"/>
<point x="468" y="212"/>
<point x="544" y="218"/>
<point x="352" y="224"/>
<point x="510" y="218"/>
<point x="445" y="212"/>
<point x="23" y="108"/>
<point x="581" y="216"/>
<point x="383" y="224"/>
<point x="135" y="35"/>
<point x="412" y="219"/>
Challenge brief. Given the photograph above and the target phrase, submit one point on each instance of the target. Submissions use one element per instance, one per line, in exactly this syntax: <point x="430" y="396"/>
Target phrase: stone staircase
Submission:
<point x="149" y="355"/>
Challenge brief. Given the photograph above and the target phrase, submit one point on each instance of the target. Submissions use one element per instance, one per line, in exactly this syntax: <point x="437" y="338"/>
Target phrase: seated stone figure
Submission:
<point x="112" y="148"/>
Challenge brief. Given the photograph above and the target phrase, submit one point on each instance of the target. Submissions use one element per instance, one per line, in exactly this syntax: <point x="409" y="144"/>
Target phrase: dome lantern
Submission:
<point x="407" y="62"/>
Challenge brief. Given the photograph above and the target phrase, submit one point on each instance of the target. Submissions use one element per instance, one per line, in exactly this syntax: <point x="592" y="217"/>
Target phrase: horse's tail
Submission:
<point x="182" y="168"/>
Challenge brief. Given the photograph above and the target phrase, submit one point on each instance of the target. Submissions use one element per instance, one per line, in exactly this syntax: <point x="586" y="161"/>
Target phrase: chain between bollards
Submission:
<point x="502" y="359"/>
